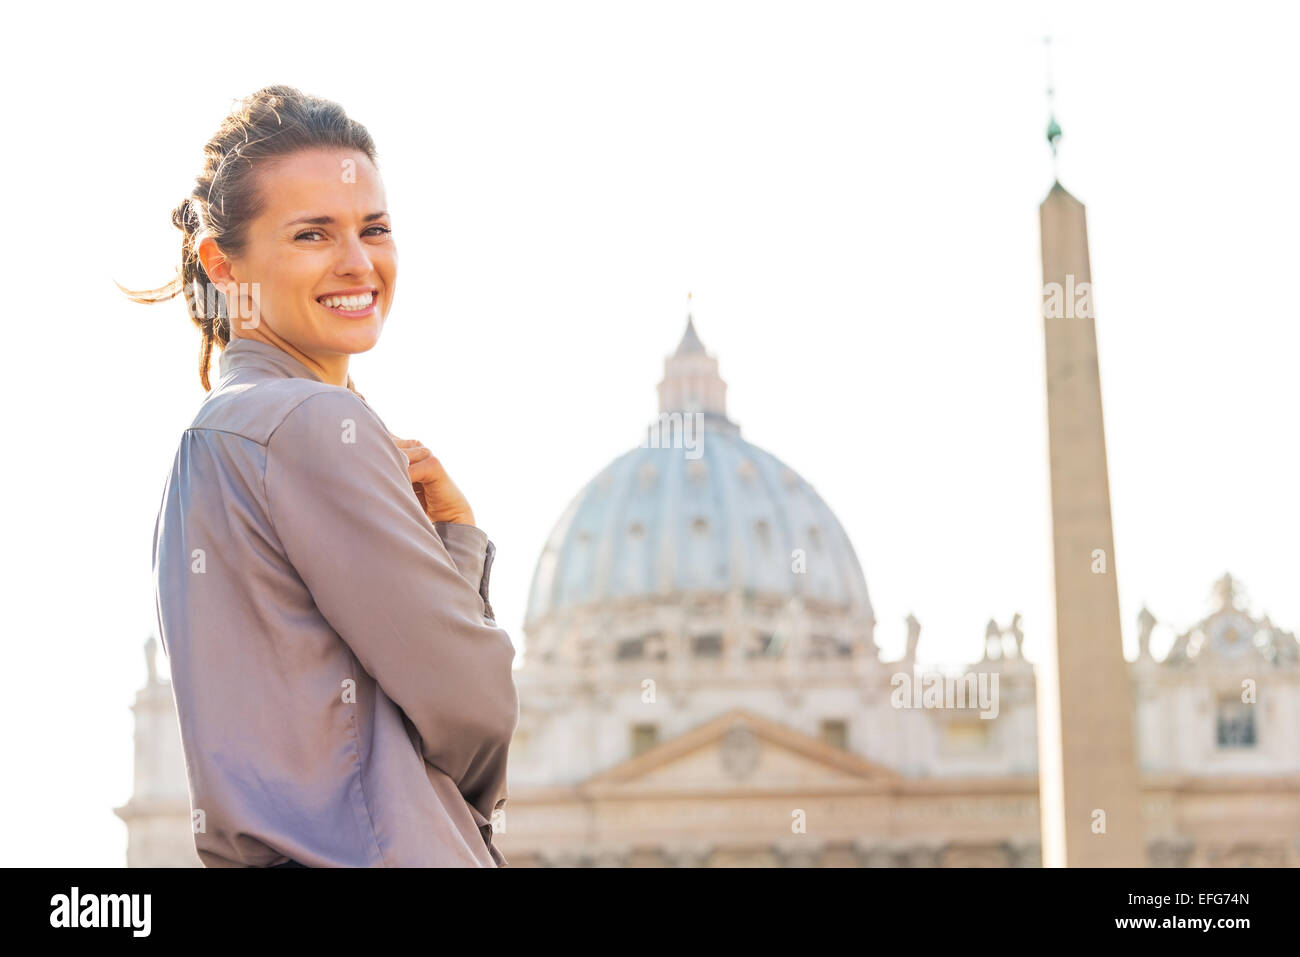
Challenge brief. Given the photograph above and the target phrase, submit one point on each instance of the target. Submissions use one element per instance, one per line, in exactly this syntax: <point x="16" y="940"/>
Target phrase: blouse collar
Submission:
<point x="240" y="353"/>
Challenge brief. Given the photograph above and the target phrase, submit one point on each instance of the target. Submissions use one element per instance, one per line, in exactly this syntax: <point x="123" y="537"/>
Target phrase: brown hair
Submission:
<point x="273" y="122"/>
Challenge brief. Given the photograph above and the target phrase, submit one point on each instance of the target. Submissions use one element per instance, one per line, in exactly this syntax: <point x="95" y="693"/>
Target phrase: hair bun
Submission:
<point x="185" y="216"/>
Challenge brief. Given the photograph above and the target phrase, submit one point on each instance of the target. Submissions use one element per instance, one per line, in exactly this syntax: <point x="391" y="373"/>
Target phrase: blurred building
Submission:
<point x="702" y="687"/>
<point x="158" y="814"/>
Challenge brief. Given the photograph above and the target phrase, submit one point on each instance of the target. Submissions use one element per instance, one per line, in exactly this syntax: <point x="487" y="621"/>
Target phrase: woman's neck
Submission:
<point x="331" y="369"/>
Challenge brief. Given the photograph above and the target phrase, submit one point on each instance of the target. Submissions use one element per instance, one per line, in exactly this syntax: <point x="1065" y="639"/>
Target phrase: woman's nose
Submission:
<point x="353" y="257"/>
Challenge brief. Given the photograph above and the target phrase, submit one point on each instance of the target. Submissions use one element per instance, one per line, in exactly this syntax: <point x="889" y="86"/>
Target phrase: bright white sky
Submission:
<point x="850" y="192"/>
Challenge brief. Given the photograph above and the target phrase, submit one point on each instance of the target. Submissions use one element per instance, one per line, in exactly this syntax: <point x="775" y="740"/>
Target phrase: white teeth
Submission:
<point x="350" y="303"/>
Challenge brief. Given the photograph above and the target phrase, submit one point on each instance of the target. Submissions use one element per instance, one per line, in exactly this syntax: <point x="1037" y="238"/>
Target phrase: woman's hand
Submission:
<point x="441" y="500"/>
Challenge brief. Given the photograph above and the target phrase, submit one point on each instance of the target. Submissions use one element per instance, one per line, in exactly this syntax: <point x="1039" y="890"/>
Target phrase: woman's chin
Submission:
<point x="362" y="338"/>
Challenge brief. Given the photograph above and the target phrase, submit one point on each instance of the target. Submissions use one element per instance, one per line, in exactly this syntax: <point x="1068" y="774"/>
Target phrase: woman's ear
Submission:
<point x="216" y="266"/>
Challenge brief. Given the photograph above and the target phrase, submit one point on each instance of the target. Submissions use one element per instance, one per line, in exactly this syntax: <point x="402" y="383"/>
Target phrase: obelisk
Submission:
<point x="1088" y="777"/>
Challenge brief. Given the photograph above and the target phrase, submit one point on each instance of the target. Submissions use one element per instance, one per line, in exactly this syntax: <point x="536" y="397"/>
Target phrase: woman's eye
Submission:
<point x="383" y="230"/>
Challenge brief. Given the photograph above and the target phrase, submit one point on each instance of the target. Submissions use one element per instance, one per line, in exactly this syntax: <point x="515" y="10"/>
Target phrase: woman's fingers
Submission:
<point x="415" y="452"/>
<point x="422" y="464"/>
<point x="429" y="478"/>
<point x="427" y="469"/>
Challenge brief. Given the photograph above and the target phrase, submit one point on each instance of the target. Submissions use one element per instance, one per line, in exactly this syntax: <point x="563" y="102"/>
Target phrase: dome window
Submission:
<point x="636" y="530"/>
<point x="763" y="532"/>
<point x="700" y="526"/>
<point x="696" y="470"/>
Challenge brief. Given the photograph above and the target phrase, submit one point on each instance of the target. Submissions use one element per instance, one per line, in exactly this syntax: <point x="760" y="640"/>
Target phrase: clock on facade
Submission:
<point x="1230" y="634"/>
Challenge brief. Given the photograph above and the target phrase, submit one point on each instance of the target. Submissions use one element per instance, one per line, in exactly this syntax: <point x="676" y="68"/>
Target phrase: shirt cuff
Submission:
<point x="472" y="552"/>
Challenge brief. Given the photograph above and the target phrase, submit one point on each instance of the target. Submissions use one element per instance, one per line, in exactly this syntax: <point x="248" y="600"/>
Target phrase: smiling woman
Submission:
<point x="288" y="210"/>
<point x="343" y="691"/>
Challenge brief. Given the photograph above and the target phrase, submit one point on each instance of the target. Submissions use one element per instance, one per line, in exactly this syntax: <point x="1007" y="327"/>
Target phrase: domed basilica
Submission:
<point x="696" y="547"/>
<point x="701" y="687"/>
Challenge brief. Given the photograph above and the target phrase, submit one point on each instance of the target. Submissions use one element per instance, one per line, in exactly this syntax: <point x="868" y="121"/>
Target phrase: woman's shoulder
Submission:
<point x="256" y="410"/>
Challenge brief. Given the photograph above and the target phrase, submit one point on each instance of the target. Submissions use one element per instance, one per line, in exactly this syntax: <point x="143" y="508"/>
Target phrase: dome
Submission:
<point x="695" y="509"/>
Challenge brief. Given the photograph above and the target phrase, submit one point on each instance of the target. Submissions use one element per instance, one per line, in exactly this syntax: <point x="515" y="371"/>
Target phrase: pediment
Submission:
<point x="740" y="751"/>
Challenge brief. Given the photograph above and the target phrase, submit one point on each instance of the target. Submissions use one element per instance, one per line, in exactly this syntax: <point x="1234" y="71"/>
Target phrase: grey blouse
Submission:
<point x="345" y="697"/>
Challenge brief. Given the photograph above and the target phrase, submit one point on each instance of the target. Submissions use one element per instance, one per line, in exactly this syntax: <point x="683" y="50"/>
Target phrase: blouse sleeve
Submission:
<point x="473" y="553"/>
<point x="340" y="500"/>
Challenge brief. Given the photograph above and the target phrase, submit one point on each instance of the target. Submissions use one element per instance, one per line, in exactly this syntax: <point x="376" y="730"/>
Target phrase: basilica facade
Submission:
<point x="701" y="686"/>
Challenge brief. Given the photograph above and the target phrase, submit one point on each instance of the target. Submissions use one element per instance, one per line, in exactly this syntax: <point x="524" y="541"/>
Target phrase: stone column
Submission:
<point x="920" y="855"/>
<point x="686" y="856"/>
<point x="798" y="855"/>
<point x="564" y="858"/>
<point x="1175" y="852"/>
<point x="1026" y="854"/>
<point x="876" y="854"/>
<point x="611" y="857"/>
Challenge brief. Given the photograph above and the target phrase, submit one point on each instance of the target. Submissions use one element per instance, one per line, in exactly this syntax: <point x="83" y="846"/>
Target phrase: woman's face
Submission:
<point x="323" y="232"/>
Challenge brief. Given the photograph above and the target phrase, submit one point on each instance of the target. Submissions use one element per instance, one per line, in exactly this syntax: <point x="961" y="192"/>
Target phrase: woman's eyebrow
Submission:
<point x="328" y="220"/>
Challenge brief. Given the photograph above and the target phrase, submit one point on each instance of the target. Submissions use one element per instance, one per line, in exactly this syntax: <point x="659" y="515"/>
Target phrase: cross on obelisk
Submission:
<point x="1089" y="791"/>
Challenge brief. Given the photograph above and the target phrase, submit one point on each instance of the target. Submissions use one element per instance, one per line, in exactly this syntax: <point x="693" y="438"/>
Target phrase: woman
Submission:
<point x="345" y="697"/>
